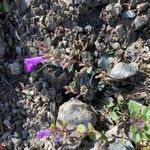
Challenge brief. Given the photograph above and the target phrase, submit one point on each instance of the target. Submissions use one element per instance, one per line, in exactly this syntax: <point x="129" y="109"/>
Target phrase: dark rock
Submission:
<point x="140" y="22"/>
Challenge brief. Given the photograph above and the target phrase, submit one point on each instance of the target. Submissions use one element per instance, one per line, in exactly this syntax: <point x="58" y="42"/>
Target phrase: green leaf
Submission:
<point x="53" y="126"/>
<point x="133" y="129"/>
<point x="70" y="68"/>
<point x="90" y="127"/>
<point x="148" y="114"/>
<point x="110" y="103"/>
<point x="137" y="138"/>
<point x="73" y="84"/>
<point x="81" y="128"/>
<point x="134" y="107"/>
<point x="114" y="116"/>
<point x="94" y="135"/>
<point x="5" y="6"/>
<point x="145" y="113"/>
<point x="60" y="123"/>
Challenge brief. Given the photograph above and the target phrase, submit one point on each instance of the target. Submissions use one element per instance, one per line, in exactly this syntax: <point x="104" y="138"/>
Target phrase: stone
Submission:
<point x="75" y="112"/>
<point x="6" y="135"/>
<point x="7" y="123"/>
<point x="119" y="146"/>
<point x="16" y="141"/>
<point x="148" y="42"/>
<point x="105" y="62"/>
<point x="109" y="8"/>
<point x="50" y="24"/>
<point x="140" y="22"/>
<point x="16" y="68"/>
<point x="113" y="131"/>
<point x="24" y="5"/>
<point x="118" y="9"/>
<point x="131" y="54"/>
<point x="123" y="70"/>
<point x="115" y="46"/>
<point x="142" y="7"/>
<point x="68" y="2"/>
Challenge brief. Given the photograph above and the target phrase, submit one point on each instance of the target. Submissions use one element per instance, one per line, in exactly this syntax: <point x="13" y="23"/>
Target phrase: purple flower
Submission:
<point x="43" y="133"/>
<point x="31" y="63"/>
<point x="57" y="139"/>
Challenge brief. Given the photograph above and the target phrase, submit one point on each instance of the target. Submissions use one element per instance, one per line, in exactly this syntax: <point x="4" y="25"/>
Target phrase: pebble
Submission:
<point x="118" y="9"/>
<point x="16" y="68"/>
<point x="23" y="5"/>
<point x="7" y="123"/>
<point x="140" y="22"/>
<point x="123" y="70"/>
<point x="120" y="146"/>
<point x="75" y="112"/>
<point x="148" y="42"/>
<point x="105" y="62"/>
<point x="115" y="46"/>
<point x="16" y="141"/>
<point x="68" y="2"/>
<point x="142" y="7"/>
<point x="6" y="135"/>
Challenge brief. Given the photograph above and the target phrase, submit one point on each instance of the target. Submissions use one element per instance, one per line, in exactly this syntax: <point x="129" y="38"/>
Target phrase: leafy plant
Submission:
<point x="90" y="131"/>
<point x="140" y="119"/>
<point x="4" y="6"/>
<point x="59" y="133"/>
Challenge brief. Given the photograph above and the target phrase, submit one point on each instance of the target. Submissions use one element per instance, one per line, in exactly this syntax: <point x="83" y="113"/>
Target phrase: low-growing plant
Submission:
<point x="58" y="134"/>
<point x="140" y="122"/>
<point x="4" y="6"/>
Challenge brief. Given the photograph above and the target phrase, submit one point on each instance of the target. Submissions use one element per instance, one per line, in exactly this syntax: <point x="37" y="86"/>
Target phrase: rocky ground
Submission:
<point x="95" y="50"/>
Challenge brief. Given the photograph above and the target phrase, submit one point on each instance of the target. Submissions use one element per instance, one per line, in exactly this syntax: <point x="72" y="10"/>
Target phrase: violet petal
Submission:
<point x="57" y="139"/>
<point x="43" y="133"/>
<point x="31" y="63"/>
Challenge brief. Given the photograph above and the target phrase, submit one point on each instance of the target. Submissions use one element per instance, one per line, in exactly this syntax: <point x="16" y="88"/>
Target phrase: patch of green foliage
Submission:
<point x="90" y="131"/>
<point x="140" y="120"/>
<point x="4" y="6"/>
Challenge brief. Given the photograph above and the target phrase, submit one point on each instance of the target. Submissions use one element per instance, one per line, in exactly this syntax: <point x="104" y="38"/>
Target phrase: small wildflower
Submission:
<point x="43" y="133"/>
<point x="57" y="139"/>
<point x="31" y="63"/>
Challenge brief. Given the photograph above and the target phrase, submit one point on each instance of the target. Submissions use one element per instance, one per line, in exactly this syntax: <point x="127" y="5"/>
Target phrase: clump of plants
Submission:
<point x="60" y="134"/>
<point x="4" y="6"/>
<point x="140" y="122"/>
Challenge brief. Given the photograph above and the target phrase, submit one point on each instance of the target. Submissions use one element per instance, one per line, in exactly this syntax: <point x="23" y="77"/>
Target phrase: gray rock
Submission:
<point x="6" y="135"/>
<point x="75" y="112"/>
<point x="123" y="70"/>
<point x="51" y="24"/>
<point x="140" y="22"/>
<point x="68" y="2"/>
<point x="88" y="3"/>
<point x="16" y="141"/>
<point x="16" y="68"/>
<point x="115" y="46"/>
<point x="105" y="62"/>
<point x="142" y="7"/>
<point x="7" y="123"/>
<point x="148" y="42"/>
<point x="23" y="5"/>
<point x="117" y="9"/>
<point x="18" y="49"/>
<point x="119" y="146"/>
